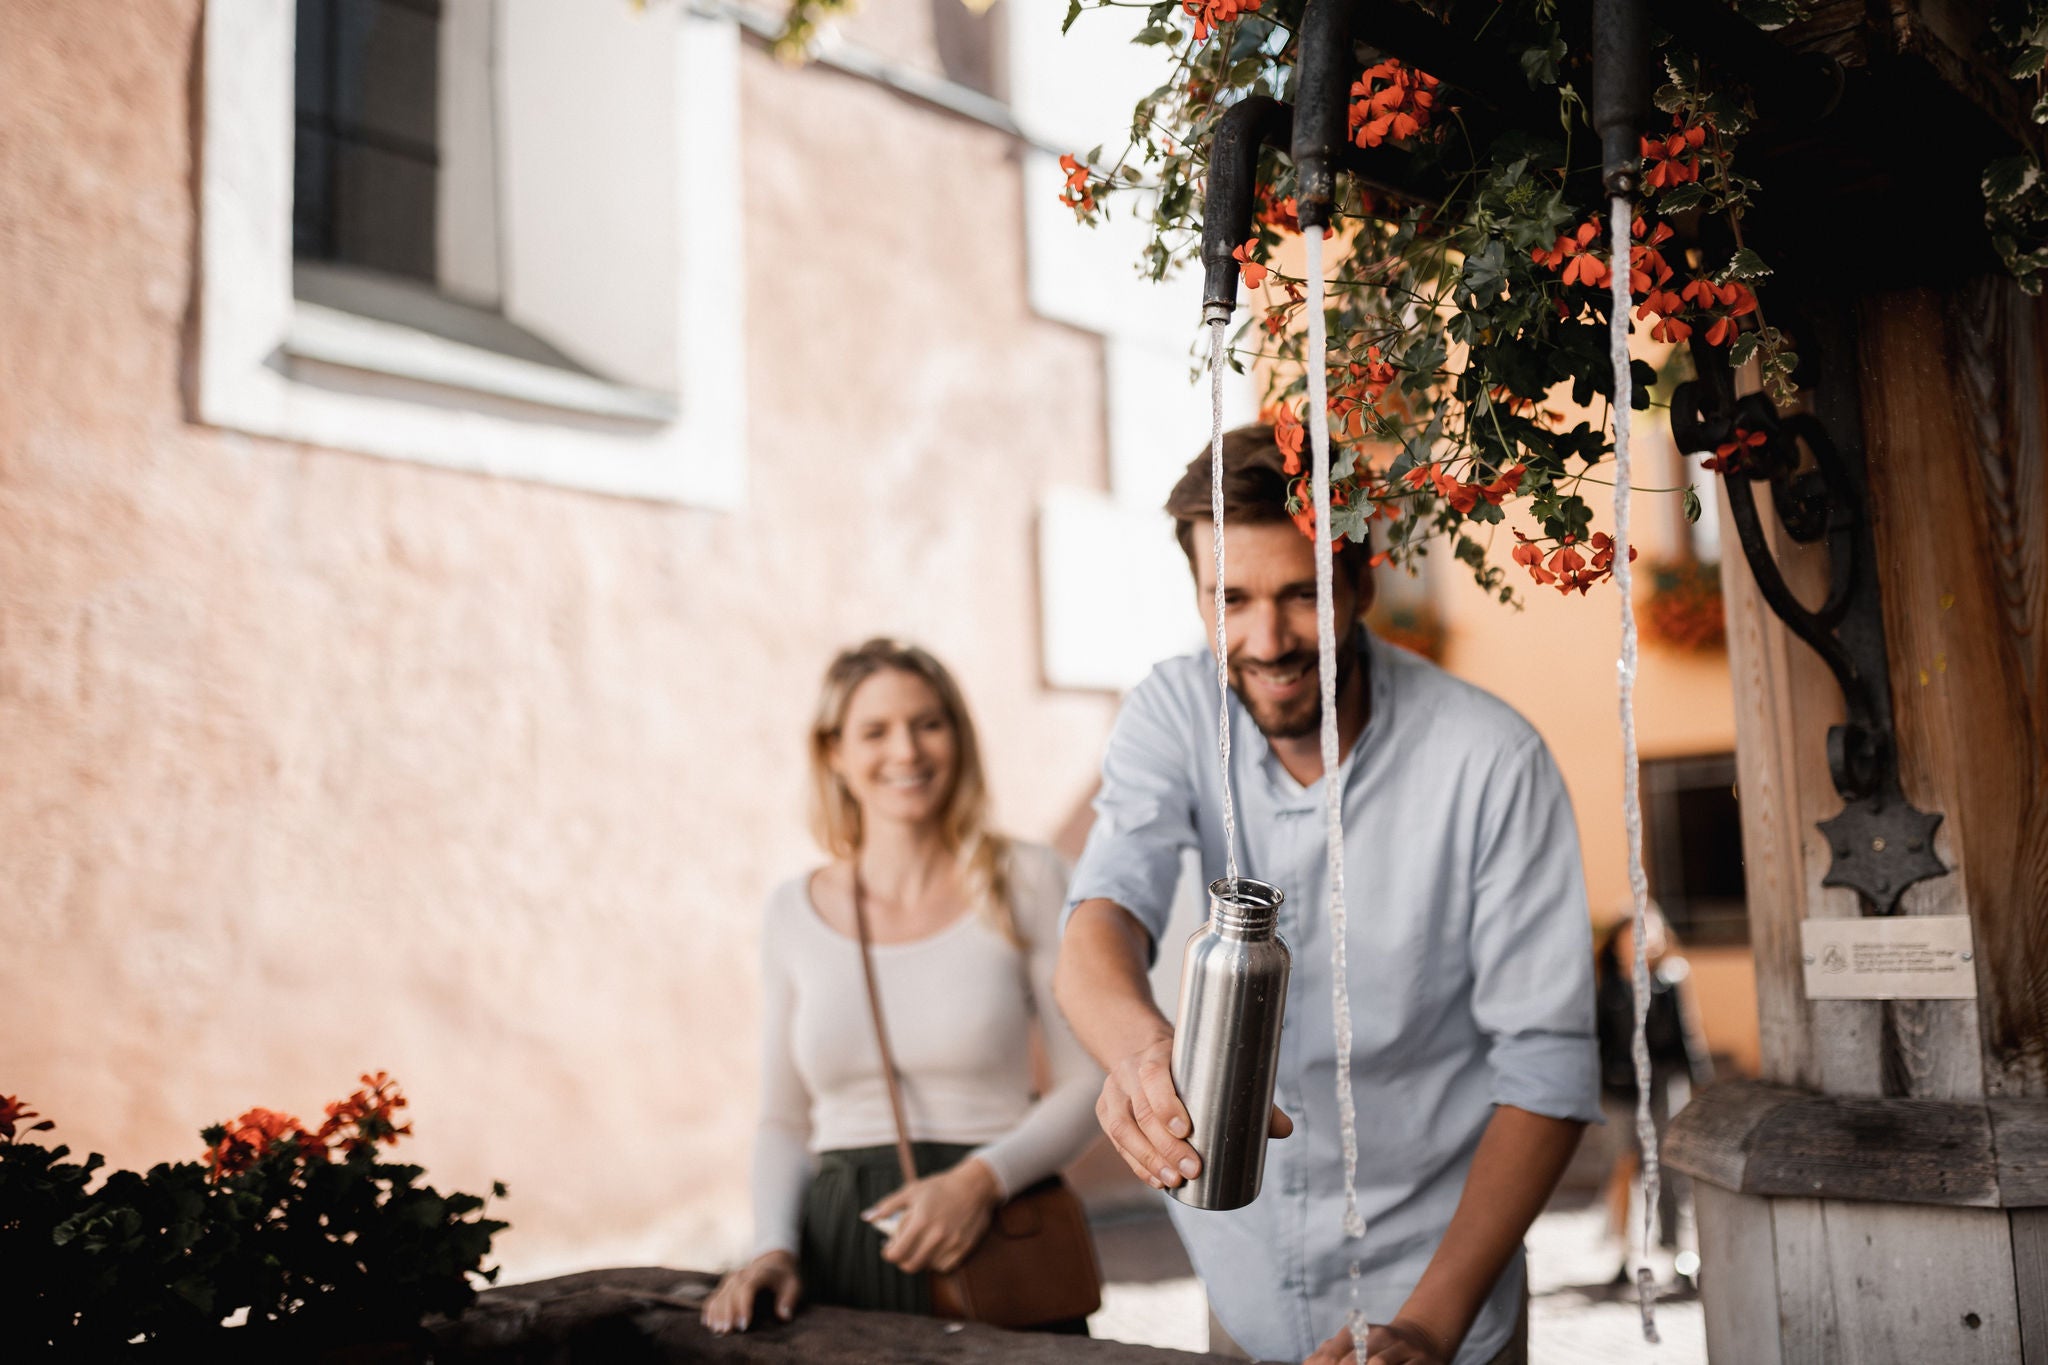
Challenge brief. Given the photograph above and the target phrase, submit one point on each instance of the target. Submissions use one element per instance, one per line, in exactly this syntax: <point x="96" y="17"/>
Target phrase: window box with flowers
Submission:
<point x="1682" y="609"/>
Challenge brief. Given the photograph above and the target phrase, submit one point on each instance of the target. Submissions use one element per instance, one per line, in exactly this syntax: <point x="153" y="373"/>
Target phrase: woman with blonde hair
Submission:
<point x="964" y="926"/>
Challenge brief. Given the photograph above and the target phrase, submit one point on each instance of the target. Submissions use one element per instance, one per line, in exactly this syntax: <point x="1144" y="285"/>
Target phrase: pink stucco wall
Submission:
<point x="312" y="762"/>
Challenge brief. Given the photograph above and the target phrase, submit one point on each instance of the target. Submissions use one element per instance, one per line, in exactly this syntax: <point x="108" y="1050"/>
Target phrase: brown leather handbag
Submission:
<point x="1036" y="1263"/>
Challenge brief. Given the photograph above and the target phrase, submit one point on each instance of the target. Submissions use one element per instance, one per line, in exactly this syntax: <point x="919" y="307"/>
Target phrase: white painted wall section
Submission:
<point x="1114" y="584"/>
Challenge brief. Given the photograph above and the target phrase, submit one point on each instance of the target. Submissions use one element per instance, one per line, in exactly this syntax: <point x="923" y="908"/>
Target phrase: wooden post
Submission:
<point x="1881" y="1195"/>
<point x="1885" y="1198"/>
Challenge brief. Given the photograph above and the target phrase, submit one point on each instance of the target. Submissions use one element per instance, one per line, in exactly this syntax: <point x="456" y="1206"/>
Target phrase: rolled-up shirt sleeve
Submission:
<point x="1531" y="942"/>
<point x="1144" y="810"/>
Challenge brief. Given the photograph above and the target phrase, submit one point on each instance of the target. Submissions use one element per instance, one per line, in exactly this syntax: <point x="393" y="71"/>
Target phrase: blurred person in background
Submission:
<point x="964" y="925"/>
<point x="1679" y="1062"/>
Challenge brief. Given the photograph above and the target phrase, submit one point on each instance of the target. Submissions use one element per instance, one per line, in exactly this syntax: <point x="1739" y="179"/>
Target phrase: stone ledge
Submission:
<point x="649" y="1314"/>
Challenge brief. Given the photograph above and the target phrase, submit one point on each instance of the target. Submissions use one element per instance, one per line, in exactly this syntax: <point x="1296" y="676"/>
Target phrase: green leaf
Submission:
<point x="1687" y="196"/>
<point x="1153" y="34"/>
<point x="2029" y="62"/>
<point x="1073" y="13"/>
<point x="1745" y="264"/>
<point x="2010" y="177"/>
<point x="1541" y="65"/>
<point x="1742" y="348"/>
<point x="1771" y="14"/>
<point x="1690" y="502"/>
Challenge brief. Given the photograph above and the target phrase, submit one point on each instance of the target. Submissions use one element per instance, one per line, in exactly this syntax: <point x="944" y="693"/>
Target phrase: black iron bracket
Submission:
<point x="1881" y="843"/>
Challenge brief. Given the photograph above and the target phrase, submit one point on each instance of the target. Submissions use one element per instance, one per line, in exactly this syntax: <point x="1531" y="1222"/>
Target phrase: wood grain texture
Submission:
<point x="1753" y="1138"/>
<point x="1710" y="1138"/>
<point x="1926" y="1284"/>
<point x="1739" y="1290"/>
<point x="2030" y="1275"/>
<point x="1808" y="1329"/>
<point x="1836" y="28"/>
<point x="2019" y="1133"/>
<point x="1886" y="1150"/>
<point x="1785" y="700"/>
<point x="1956" y="417"/>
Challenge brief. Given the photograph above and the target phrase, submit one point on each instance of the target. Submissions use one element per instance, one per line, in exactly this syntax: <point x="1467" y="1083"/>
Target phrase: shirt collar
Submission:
<point x="1287" y="793"/>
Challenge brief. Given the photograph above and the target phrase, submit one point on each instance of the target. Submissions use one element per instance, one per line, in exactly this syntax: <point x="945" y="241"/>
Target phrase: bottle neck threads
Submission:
<point x="1244" y="908"/>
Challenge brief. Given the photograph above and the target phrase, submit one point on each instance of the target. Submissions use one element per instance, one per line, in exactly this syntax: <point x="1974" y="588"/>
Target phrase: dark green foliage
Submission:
<point x="350" y="1247"/>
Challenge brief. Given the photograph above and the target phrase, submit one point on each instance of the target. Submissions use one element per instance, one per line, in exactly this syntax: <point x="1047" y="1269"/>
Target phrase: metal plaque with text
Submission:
<point x="1902" y="957"/>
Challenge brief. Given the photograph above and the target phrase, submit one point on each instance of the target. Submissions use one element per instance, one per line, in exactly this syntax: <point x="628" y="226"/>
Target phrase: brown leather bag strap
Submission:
<point x="904" y="1159"/>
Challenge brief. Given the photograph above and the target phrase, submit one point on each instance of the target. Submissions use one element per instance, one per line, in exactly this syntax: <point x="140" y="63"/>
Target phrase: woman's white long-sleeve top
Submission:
<point x="958" y="1004"/>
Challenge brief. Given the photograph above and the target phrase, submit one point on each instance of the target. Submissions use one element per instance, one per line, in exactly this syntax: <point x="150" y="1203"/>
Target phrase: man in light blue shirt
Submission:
<point x="1473" y="1058"/>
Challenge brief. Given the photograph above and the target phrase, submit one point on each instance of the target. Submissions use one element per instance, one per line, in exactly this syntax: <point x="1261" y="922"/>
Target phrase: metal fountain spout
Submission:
<point x="1312" y="131"/>
<point x="1323" y="72"/>
<point x="1315" y="132"/>
<point x="1232" y="198"/>
<point x="1621" y="92"/>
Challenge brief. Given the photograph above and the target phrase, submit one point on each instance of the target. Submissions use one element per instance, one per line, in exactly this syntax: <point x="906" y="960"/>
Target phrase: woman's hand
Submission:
<point x="731" y="1305"/>
<point x="1399" y="1342"/>
<point x="944" y="1215"/>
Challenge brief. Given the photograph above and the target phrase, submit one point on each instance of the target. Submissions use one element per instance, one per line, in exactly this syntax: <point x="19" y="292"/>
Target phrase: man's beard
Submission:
<point x="1305" y="716"/>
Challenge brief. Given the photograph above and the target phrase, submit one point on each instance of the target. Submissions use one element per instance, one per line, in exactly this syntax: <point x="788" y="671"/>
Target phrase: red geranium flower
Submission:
<point x="14" y="1111"/>
<point x="1254" y="273"/>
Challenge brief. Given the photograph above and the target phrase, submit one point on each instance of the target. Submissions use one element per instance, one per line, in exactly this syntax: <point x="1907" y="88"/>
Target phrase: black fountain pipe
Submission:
<point x="1621" y="93"/>
<point x="1325" y="65"/>
<point x="1253" y="122"/>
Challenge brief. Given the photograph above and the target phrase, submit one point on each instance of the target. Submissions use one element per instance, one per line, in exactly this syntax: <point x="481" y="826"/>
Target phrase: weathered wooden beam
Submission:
<point x="1757" y="1139"/>
<point x="2030" y="1273"/>
<point x="1736" y="1240"/>
<point x="2021" y="1138"/>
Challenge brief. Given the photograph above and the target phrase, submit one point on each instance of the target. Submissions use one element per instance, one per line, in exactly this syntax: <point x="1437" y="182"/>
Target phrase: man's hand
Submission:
<point x="1393" y="1343"/>
<point x="731" y="1305"/>
<point x="1103" y="991"/>
<point x="943" y="1217"/>
<point x="1146" y="1122"/>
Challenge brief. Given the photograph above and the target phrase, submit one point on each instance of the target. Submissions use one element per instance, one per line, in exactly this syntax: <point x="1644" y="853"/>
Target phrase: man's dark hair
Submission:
<point x="1254" y="485"/>
<point x="1255" y="482"/>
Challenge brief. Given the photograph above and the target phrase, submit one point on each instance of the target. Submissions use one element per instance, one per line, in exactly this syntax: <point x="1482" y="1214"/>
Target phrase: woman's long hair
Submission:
<point x="963" y="821"/>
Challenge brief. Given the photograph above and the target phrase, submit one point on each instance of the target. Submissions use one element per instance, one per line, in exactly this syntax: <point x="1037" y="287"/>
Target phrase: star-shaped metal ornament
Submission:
<point x="1881" y="846"/>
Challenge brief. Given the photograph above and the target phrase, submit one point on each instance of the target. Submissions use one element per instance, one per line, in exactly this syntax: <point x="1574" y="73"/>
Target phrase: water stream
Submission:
<point x="1621" y="216"/>
<point x="1216" y="362"/>
<point x="1318" y="422"/>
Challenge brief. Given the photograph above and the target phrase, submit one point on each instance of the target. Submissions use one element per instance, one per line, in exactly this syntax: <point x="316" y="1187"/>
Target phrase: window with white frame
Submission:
<point x="458" y="231"/>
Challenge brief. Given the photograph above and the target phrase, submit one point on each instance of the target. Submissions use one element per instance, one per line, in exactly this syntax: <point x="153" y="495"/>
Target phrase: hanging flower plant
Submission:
<point x="1683" y="610"/>
<point x="1469" y="302"/>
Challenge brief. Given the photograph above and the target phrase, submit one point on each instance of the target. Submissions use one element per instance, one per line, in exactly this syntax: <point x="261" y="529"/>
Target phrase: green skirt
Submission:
<point x="841" y="1256"/>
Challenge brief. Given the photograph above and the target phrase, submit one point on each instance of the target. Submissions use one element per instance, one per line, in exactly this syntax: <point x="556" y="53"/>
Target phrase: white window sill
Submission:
<point x="329" y="336"/>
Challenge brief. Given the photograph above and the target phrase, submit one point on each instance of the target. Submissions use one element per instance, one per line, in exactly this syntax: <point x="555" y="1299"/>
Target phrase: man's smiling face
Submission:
<point x="1269" y="616"/>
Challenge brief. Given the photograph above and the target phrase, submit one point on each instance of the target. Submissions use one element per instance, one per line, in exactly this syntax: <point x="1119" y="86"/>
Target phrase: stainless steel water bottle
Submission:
<point x="1226" y="1042"/>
